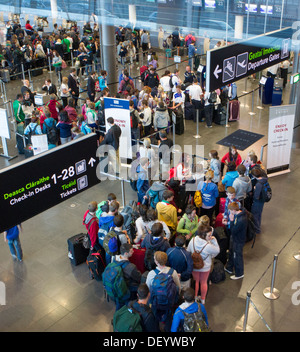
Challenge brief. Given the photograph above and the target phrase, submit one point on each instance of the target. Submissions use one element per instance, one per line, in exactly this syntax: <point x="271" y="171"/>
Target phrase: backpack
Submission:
<point x="52" y="134"/>
<point x="251" y="233"/>
<point x="195" y="322"/>
<point x="111" y="243"/>
<point x="149" y="259"/>
<point x="198" y="262"/>
<point x="155" y="197"/>
<point x="133" y="120"/>
<point x="198" y="199"/>
<point x="164" y="292"/>
<point x="99" y="210"/>
<point x="266" y="192"/>
<point x="64" y="46"/>
<point x="130" y="215"/>
<point x="30" y="134"/>
<point x="212" y="98"/>
<point x="114" y="282"/>
<point x="218" y="273"/>
<point x="127" y="319"/>
<point x="96" y="264"/>
<point x="104" y="230"/>
<point x="171" y="84"/>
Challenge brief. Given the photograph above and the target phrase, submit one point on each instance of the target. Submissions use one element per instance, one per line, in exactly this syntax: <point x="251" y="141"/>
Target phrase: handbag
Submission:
<point x="221" y="187"/>
<point x="198" y="262"/>
<point x="63" y="64"/>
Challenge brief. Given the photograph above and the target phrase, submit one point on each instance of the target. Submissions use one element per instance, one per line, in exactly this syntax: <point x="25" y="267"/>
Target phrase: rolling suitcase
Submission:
<point x="189" y="111"/>
<point x="234" y="110"/>
<point x="76" y="252"/>
<point x="37" y="72"/>
<point x="5" y="76"/>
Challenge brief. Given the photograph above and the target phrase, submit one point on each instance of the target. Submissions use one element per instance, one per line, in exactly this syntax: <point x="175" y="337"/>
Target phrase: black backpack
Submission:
<point x="266" y="192"/>
<point x="96" y="264"/>
<point x="149" y="259"/>
<point x="171" y="82"/>
<point x="251" y="233"/>
<point x="52" y="134"/>
<point x="212" y="98"/>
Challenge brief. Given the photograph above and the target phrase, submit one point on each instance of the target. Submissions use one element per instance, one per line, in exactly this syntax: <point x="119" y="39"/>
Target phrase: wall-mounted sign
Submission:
<point x="231" y="63"/>
<point x="45" y="180"/>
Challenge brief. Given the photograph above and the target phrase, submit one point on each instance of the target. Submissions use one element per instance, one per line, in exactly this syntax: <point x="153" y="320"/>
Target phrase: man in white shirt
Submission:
<point x="196" y="94"/>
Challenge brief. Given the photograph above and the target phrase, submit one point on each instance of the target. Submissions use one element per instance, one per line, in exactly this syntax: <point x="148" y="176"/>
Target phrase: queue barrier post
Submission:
<point x="197" y="116"/>
<point x="297" y="256"/>
<point x="245" y="327"/>
<point x="252" y="105"/>
<point x="227" y="115"/>
<point x="271" y="292"/>
<point x="23" y="72"/>
<point x="260" y="107"/>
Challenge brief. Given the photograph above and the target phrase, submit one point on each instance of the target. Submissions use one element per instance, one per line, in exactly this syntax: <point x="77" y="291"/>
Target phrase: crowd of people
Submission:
<point x="70" y="116"/>
<point x="185" y="235"/>
<point x="178" y="218"/>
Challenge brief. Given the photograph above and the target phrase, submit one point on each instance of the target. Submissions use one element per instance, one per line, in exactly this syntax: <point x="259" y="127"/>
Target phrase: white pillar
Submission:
<point x="54" y="10"/>
<point x="132" y="15"/>
<point x="238" y="28"/>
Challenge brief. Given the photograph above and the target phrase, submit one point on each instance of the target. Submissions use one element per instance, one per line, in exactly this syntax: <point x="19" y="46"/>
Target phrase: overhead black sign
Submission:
<point x="234" y="62"/>
<point x="38" y="183"/>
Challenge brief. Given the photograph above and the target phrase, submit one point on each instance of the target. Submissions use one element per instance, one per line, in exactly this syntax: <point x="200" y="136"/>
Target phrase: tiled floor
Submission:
<point x="45" y="293"/>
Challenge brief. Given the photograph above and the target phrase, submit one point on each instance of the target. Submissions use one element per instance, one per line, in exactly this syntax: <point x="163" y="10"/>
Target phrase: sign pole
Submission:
<point x="197" y="116"/>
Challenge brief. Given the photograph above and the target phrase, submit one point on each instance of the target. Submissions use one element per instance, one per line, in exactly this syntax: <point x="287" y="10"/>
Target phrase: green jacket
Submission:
<point x="185" y="226"/>
<point x="18" y="111"/>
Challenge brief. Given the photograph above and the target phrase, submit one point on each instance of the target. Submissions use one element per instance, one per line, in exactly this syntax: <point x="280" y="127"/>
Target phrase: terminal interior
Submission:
<point x="45" y="293"/>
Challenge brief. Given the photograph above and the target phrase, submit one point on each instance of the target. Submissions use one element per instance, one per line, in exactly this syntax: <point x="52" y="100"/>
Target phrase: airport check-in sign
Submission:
<point x="228" y="64"/>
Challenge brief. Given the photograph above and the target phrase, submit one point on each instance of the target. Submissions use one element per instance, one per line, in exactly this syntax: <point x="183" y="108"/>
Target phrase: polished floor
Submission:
<point x="45" y="293"/>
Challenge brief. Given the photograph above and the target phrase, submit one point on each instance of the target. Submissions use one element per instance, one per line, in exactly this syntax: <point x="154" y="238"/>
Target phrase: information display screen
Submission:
<point x="43" y="181"/>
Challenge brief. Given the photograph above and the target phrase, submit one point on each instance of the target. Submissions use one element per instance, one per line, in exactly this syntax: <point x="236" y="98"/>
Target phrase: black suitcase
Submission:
<point x="179" y="126"/>
<point x="189" y="111"/>
<point x="76" y="252"/>
<point x="37" y="72"/>
<point x="96" y="263"/>
<point x="220" y="116"/>
<point x="5" y="76"/>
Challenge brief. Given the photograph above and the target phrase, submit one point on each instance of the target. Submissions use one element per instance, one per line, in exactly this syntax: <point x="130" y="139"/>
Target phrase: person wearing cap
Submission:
<point x="131" y="274"/>
<point x="91" y="223"/>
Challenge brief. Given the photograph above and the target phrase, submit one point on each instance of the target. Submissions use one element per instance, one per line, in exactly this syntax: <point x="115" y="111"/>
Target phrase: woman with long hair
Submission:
<point x="207" y="245"/>
<point x="232" y="155"/>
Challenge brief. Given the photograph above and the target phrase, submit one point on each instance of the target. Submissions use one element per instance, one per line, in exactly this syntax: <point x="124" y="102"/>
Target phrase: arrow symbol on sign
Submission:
<point x="217" y="71"/>
<point x="91" y="162"/>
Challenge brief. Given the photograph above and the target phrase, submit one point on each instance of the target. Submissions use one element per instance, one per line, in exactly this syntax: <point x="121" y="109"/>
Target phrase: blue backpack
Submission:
<point x="164" y="292"/>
